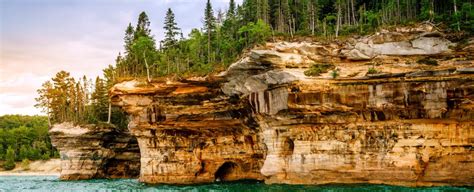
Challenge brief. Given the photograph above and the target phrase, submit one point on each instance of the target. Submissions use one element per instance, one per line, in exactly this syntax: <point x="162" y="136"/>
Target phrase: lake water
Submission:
<point x="51" y="183"/>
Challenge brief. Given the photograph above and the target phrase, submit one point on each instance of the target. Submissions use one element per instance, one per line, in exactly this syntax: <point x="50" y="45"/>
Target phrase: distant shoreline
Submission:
<point x="51" y="167"/>
<point x="26" y="173"/>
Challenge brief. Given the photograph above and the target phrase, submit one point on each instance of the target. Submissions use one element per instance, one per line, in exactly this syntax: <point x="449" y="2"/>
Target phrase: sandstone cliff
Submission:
<point x="407" y="124"/>
<point x="95" y="151"/>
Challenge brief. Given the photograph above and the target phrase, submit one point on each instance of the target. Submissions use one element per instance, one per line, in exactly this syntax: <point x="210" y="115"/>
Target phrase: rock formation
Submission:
<point x="407" y="124"/>
<point x="190" y="132"/>
<point x="95" y="151"/>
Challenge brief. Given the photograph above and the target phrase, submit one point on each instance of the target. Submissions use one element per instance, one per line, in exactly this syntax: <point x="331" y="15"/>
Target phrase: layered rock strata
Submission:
<point x="404" y="123"/>
<point x="190" y="132"/>
<point x="95" y="151"/>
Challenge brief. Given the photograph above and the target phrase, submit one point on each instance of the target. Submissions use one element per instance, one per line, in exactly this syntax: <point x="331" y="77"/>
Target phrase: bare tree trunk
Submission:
<point x="347" y="20"/>
<point x="49" y="118"/>
<point x="455" y="13"/>
<point x="399" y="12"/>
<point x="290" y="26"/>
<point x="147" y="68"/>
<point x="110" y="112"/>
<point x="353" y="13"/>
<point x="324" y="27"/>
<point x="209" y="46"/>
<point x="312" y="18"/>
<point x="338" y="22"/>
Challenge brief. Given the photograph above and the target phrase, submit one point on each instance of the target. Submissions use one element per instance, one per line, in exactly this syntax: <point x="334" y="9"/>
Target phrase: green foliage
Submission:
<point x="81" y="101"/>
<point x="334" y="73"/>
<point x="427" y="12"/>
<point x="171" y="30"/>
<point x="317" y="69"/>
<point x="9" y="163"/>
<point x="29" y="140"/>
<point x="372" y="71"/>
<point x="428" y="61"/>
<point x="373" y="18"/>
<point x="254" y="33"/>
<point x="221" y="40"/>
<point x="25" y="164"/>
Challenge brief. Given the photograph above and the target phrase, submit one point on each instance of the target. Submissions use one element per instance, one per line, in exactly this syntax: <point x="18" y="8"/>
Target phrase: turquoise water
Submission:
<point x="51" y="183"/>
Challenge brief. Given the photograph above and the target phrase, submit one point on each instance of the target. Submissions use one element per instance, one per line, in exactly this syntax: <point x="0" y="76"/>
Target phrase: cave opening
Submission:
<point x="225" y="171"/>
<point x="125" y="163"/>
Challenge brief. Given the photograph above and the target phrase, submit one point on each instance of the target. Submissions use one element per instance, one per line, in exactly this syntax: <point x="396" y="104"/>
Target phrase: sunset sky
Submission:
<point x="38" y="38"/>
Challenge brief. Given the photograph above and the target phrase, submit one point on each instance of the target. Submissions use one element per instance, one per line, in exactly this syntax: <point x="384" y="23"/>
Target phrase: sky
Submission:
<point x="39" y="38"/>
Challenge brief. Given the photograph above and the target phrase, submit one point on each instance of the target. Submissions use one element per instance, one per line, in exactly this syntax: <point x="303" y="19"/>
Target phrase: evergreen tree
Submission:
<point x="129" y="36"/>
<point x="232" y="10"/>
<point x="143" y="26"/>
<point x="209" y="26"/>
<point x="100" y="100"/>
<point x="171" y="30"/>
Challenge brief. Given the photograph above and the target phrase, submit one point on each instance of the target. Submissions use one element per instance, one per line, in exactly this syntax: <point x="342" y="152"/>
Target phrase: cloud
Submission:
<point x="40" y="38"/>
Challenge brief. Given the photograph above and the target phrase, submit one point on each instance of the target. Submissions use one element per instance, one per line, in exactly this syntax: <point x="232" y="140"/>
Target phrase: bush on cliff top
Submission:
<point x="372" y="71"/>
<point x="317" y="69"/>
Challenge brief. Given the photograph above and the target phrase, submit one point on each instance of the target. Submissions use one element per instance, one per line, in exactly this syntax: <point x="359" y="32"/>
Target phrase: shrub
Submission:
<point x="25" y="164"/>
<point x="10" y="159"/>
<point x="334" y="73"/>
<point x="428" y="61"/>
<point x="317" y="69"/>
<point x="372" y="71"/>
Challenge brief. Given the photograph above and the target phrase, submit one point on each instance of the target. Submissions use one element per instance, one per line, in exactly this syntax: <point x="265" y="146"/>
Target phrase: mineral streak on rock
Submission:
<point x="190" y="132"/>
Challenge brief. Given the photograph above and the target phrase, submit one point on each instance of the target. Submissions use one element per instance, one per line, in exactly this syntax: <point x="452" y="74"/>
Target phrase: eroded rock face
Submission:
<point x="410" y="132"/>
<point x="263" y="119"/>
<point x="95" y="151"/>
<point x="190" y="132"/>
<point x="397" y="44"/>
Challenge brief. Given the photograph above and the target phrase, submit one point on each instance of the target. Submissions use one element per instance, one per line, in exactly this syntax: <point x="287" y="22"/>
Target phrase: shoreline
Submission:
<point x="28" y="173"/>
<point x="51" y="167"/>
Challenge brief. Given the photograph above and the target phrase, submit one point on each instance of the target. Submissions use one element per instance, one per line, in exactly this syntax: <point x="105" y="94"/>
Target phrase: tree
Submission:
<point x="100" y="100"/>
<point x="171" y="30"/>
<point x="45" y="98"/>
<point x="129" y="36"/>
<point x="254" y="33"/>
<point x="10" y="159"/>
<point x="143" y="26"/>
<point x="231" y="11"/>
<point x="61" y="101"/>
<point x="338" y="22"/>
<point x="209" y="26"/>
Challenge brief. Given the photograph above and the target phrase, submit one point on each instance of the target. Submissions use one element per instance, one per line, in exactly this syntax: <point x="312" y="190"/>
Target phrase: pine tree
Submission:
<point x="171" y="30"/>
<point x="129" y="32"/>
<point x="231" y="11"/>
<point x="209" y="22"/>
<point x="61" y="101"/>
<point x="265" y="14"/>
<point x="100" y="100"/>
<point x="44" y="100"/>
<point x="143" y="26"/>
